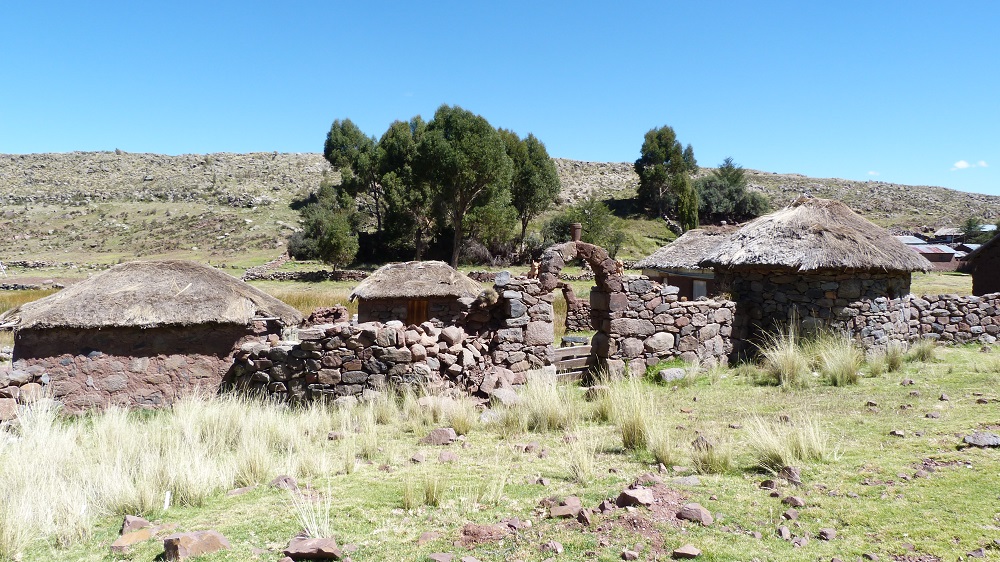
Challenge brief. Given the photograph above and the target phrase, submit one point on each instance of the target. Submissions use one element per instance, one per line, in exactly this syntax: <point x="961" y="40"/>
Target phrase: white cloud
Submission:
<point x="964" y="165"/>
<point x="873" y="173"/>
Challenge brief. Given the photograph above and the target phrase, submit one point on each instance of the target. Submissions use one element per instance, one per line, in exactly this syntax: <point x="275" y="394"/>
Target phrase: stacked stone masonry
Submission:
<point x="646" y="323"/>
<point x="492" y="348"/>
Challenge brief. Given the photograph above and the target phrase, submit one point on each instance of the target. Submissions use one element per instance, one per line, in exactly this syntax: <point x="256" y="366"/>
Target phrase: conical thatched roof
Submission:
<point x="688" y="250"/>
<point x="416" y="279"/>
<point x="812" y="234"/>
<point x="151" y="294"/>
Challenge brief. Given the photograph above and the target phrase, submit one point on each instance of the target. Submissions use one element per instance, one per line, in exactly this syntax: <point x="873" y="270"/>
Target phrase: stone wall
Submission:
<point x="86" y="369"/>
<point x="646" y="323"/>
<point x="578" y="317"/>
<point x="955" y="319"/>
<point x="771" y="300"/>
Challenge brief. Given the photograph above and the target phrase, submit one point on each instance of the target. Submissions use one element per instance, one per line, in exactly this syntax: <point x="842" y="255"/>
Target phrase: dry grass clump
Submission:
<point x="547" y="405"/>
<point x="59" y="475"/>
<point x="307" y="300"/>
<point x="660" y="445"/>
<point x="711" y="457"/>
<point x="581" y="458"/>
<point x="837" y="359"/>
<point x="923" y="350"/>
<point x="775" y="445"/>
<point x="630" y="409"/>
<point x="784" y="363"/>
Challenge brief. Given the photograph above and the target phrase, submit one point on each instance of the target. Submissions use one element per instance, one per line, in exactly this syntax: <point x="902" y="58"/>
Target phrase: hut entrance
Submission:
<point x="607" y="278"/>
<point x="416" y="312"/>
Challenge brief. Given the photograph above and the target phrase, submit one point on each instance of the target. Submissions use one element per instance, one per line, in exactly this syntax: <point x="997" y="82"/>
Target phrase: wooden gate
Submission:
<point x="571" y="362"/>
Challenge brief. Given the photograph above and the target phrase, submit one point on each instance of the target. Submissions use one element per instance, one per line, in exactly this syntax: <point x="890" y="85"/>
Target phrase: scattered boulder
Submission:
<point x="982" y="439"/>
<point x="304" y="548"/>
<point x="794" y="501"/>
<point x="695" y="512"/>
<point x="827" y="534"/>
<point x="440" y="436"/>
<point x="133" y="523"/>
<point x="124" y="543"/>
<point x="686" y="551"/>
<point x="635" y="496"/>
<point x="181" y="546"/>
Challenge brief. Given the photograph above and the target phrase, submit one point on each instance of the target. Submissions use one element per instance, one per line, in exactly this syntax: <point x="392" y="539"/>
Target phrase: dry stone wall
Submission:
<point x="955" y="319"/>
<point x="491" y="347"/>
<point x="646" y="323"/>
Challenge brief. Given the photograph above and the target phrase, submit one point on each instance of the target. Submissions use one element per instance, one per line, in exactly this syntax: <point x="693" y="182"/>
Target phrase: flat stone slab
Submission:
<point x="982" y="439"/>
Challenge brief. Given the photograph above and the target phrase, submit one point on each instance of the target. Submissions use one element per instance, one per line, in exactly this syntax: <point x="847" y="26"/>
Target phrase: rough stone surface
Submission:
<point x="182" y="546"/>
<point x="695" y="512"/>
<point x="301" y="548"/>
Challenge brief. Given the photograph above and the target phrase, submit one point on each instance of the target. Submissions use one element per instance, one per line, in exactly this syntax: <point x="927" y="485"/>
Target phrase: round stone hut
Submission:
<point x="815" y="264"/>
<point x="415" y="292"/>
<point x="139" y="334"/>
<point x="678" y="264"/>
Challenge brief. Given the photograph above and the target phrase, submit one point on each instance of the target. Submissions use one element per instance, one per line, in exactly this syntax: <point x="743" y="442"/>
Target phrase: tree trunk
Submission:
<point x="456" y="243"/>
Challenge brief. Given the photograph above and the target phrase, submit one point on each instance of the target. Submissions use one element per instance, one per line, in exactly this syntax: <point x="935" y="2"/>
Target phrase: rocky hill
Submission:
<point x="108" y="206"/>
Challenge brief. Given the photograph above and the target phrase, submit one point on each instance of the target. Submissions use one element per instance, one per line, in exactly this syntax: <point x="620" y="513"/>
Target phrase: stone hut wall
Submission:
<point x="578" y="317"/>
<point x="646" y="323"/>
<point x="86" y="369"/>
<point x="770" y="300"/>
<point x="443" y="312"/>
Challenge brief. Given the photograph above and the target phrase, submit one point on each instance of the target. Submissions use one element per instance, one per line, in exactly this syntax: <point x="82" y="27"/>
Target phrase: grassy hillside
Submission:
<point x="105" y="207"/>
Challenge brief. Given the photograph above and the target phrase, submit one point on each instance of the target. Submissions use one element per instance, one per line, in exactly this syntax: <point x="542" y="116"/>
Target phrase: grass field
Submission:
<point x="68" y="482"/>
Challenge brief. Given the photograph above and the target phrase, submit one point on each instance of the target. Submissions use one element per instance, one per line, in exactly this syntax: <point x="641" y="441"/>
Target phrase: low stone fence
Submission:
<point x="335" y="360"/>
<point x="18" y="287"/>
<point x="955" y="319"/>
<point x="308" y="276"/>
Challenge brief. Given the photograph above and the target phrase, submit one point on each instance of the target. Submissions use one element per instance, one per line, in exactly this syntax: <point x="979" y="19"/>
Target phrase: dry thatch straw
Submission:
<point x="148" y="294"/>
<point x="687" y="251"/>
<point x="416" y="279"/>
<point x="813" y="234"/>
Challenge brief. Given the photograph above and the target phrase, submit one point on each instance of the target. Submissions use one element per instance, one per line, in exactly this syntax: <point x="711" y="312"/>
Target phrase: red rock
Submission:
<point x="686" y="551"/>
<point x="564" y="511"/>
<point x="8" y="409"/>
<point x="794" y="501"/>
<point x="182" y="546"/>
<point x="827" y="534"/>
<point x="695" y="512"/>
<point x="301" y="548"/>
<point x="635" y="496"/>
<point x="790" y="514"/>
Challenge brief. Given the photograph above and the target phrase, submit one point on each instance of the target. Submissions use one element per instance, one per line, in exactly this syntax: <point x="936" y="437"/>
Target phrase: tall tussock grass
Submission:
<point x="784" y="363"/>
<point x="923" y="350"/>
<point x="60" y="474"/>
<point x="837" y="358"/>
<point x="775" y="445"/>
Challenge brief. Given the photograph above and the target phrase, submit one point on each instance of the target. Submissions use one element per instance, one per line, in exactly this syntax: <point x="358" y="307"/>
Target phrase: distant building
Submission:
<point x="984" y="265"/>
<point x="941" y="257"/>
<point x="910" y="240"/>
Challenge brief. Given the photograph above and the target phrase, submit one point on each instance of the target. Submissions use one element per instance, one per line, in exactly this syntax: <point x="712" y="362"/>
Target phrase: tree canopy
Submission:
<point x="664" y="168"/>
<point x="723" y="195"/>
<point x="423" y="183"/>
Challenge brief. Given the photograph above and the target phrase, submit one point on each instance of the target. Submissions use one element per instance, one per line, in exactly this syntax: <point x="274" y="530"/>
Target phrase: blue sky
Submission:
<point x="904" y="92"/>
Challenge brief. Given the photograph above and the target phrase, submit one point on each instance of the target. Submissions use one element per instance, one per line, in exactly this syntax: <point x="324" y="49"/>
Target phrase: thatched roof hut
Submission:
<point x="414" y="292"/>
<point x="139" y="334"/>
<point x="416" y="279"/>
<point x="687" y="251"/>
<point x="149" y="294"/>
<point x="814" y="234"/>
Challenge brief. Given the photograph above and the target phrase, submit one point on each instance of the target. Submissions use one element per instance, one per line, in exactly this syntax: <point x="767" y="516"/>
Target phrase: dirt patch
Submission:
<point x="645" y="522"/>
<point x="473" y="535"/>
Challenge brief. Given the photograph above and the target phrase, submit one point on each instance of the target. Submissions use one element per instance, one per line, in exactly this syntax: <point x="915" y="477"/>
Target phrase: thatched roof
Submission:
<point x="151" y="294"/>
<point x="688" y="250"/>
<point x="416" y="279"/>
<point x="812" y="234"/>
